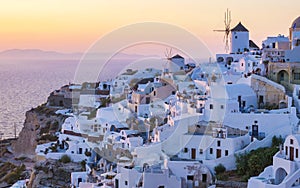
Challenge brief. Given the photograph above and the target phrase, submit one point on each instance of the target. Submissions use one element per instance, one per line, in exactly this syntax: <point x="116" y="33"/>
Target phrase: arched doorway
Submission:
<point x="282" y="76"/>
<point x="282" y="104"/>
<point x="280" y="174"/>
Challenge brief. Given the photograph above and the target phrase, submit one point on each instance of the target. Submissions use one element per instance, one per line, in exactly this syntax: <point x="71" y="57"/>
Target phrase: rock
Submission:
<point x="38" y="122"/>
<point x="52" y="173"/>
<point x="26" y="143"/>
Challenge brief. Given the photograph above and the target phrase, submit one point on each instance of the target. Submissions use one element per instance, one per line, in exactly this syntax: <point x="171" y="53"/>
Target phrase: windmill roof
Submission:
<point x="252" y="44"/>
<point x="177" y="56"/>
<point x="240" y="27"/>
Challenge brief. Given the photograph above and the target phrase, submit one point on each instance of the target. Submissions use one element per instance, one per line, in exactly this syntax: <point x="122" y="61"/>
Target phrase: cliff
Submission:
<point x="53" y="173"/>
<point x="40" y="126"/>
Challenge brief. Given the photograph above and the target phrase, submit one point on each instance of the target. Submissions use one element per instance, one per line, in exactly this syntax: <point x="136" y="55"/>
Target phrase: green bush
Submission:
<point x="15" y="175"/>
<point x="83" y="163"/>
<point x="87" y="153"/>
<point x="253" y="163"/>
<point x="65" y="159"/>
<point x="219" y="169"/>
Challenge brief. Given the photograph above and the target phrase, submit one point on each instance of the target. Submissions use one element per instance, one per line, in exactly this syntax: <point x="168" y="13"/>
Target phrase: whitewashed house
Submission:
<point x="77" y="178"/>
<point x="285" y="171"/>
<point x="239" y="39"/>
<point x="230" y="98"/>
<point x="175" y="64"/>
<point x="207" y="146"/>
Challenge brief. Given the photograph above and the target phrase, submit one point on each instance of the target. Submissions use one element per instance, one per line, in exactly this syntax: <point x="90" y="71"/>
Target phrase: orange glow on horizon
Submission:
<point x="72" y="26"/>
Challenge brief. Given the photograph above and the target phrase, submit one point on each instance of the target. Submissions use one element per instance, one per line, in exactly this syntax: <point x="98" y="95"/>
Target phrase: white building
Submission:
<point x="273" y="48"/>
<point x="208" y="147"/>
<point x="239" y="39"/>
<point x="295" y="33"/>
<point x="285" y="171"/>
<point x="170" y="174"/>
<point x="175" y="64"/>
<point x="226" y="99"/>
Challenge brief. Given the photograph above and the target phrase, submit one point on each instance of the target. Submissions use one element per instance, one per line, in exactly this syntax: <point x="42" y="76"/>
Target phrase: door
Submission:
<point x="147" y="100"/>
<point x="240" y="101"/>
<point x="261" y="99"/>
<point x="204" y="177"/>
<point x="219" y="153"/>
<point x="193" y="153"/>
<point x="291" y="153"/>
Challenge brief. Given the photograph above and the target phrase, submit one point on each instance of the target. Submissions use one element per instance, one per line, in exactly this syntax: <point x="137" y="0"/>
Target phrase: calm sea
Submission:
<point x="27" y="84"/>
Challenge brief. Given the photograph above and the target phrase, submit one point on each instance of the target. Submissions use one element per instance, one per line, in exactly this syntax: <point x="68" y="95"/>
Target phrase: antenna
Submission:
<point x="227" y="22"/>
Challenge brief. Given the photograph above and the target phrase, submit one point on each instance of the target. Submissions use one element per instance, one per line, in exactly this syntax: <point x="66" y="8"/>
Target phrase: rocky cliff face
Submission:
<point x="26" y="142"/>
<point x="53" y="173"/>
<point x="40" y="126"/>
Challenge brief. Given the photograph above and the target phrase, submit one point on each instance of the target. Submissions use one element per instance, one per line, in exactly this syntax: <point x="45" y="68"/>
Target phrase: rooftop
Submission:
<point x="240" y="28"/>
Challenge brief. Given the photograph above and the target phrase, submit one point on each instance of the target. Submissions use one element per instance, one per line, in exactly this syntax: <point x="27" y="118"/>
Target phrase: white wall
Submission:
<point x="152" y="180"/>
<point x="238" y="44"/>
<point x="267" y="122"/>
<point x="293" y="55"/>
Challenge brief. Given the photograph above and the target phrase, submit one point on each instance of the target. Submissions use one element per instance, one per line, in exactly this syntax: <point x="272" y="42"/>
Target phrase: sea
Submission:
<point x="26" y="84"/>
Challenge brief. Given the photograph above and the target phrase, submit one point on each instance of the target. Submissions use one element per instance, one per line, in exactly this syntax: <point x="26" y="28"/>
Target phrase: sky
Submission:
<point x="73" y="25"/>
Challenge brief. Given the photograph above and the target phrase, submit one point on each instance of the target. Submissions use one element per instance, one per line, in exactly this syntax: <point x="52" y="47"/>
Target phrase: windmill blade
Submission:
<point x="227" y="22"/>
<point x="171" y="53"/>
<point x="219" y="30"/>
<point x="166" y="53"/>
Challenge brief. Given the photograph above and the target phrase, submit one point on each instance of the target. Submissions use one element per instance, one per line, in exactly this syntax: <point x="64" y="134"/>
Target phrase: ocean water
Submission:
<point x="27" y="84"/>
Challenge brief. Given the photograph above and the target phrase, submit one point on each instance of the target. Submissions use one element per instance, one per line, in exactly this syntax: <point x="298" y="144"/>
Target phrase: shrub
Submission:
<point x="54" y="126"/>
<point x="220" y="169"/>
<point x="83" y="163"/>
<point x="252" y="163"/>
<point x="48" y="137"/>
<point x="88" y="153"/>
<point x="65" y="159"/>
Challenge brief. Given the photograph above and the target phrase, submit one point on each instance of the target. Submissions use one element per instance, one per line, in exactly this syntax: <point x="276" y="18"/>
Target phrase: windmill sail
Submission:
<point x="227" y="22"/>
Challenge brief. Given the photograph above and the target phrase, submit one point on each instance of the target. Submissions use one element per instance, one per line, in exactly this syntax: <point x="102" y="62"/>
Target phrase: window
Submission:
<point x="222" y="107"/>
<point x="218" y="143"/>
<point x="126" y="182"/>
<point x="185" y="150"/>
<point x="235" y="37"/>
<point x="161" y="186"/>
<point x="211" y="106"/>
<point x="201" y="151"/>
<point x="296" y="76"/>
<point x="291" y="141"/>
<point x="190" y="177"/>
<point x="226" y="152"/>
<point x="286" y="150"/>
<point x="211" y="151"/>
<point x="296" y="153"/>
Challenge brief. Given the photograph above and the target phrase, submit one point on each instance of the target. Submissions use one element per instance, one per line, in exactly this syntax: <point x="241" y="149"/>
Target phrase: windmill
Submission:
<point x="168" y="58"/>
<point x="227" y="22"/>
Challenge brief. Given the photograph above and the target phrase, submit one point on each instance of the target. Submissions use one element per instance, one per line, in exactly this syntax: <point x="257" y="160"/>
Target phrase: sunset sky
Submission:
<point x="73" y="25"/>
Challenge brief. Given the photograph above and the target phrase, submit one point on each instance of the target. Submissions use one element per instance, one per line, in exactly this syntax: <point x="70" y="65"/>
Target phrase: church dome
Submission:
<point x="296" y="23"/>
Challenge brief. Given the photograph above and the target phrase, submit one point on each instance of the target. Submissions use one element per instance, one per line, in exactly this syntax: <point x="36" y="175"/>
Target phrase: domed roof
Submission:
<point x="296" y="23"/>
